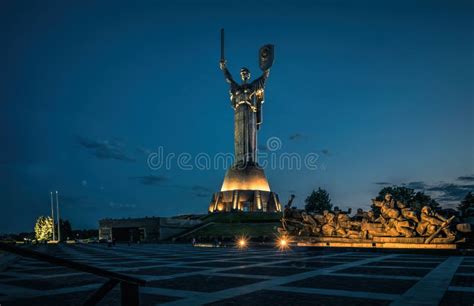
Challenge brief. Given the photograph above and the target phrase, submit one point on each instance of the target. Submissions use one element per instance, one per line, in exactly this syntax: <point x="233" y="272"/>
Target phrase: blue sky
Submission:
<point x="383" y="93"/>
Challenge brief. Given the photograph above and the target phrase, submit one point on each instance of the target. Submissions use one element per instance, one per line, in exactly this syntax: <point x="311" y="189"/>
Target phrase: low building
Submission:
<point x="148" y="229"/>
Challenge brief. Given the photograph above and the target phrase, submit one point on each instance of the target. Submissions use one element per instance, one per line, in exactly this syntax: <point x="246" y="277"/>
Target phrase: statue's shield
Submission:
<point x="266" y="56"/>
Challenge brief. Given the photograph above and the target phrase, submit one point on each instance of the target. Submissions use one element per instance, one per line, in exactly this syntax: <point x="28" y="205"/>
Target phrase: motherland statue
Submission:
<point x="245" y="187"/>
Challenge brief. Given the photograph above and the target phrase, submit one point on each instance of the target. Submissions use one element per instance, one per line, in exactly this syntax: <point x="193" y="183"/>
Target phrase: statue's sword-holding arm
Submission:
<point x="222" y="63"/>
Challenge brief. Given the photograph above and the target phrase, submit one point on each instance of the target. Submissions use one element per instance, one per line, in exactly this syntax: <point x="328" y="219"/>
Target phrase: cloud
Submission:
<point x="121" y="205"/>
<point x="201" y="191"/>
<point x="326" y="152"/>
<point x="443" y="192"/>
<point x="451" y="192"/>
<point x="199" y="188"/>
<point x="162" y="181"/>
<point x="418" y="185"/>
<point x="143" y="150"/>
<point x="296" y="136"/>
<point x="150" y="180"/>
<point x="105" y="149"/>
<point x="467" y="178"/>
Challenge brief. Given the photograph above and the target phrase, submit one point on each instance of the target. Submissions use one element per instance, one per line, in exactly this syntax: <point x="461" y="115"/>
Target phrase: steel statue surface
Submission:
<point x="245" y="187"/>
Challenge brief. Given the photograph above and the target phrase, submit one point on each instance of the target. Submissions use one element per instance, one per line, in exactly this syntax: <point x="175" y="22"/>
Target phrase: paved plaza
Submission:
<point x="183" y="275"/>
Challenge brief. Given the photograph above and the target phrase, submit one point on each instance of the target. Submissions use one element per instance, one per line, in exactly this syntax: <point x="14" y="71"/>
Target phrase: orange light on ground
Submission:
<point x="242" y="242"/>
<point x="283" y="243"/>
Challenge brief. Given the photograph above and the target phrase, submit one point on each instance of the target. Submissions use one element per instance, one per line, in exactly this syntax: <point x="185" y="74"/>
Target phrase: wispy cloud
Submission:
<point x="418" y="185"/>
<point x="122" y="205"/>
<point x="164" y="182"/>
<point x="451" y="192"/>
<point x="326" y="152"/>
<point x="150" y="180"/>
<point x="143" y="150"/>
<point x="444" y="192"/>
<point x="296" y="136"/>
<point x="201" y="191"/>
<point x="467" y="178"/>
<point x="382" y="183"/>
<point x="105" y="149"/>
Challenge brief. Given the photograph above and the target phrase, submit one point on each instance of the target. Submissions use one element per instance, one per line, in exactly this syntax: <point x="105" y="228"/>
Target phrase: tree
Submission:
<point x="421" y="199"/>
<point x="318" y="201"/>
<point x="402" y="194"/>
<point x="466" y="207"/>
<point x="44" y="228"/>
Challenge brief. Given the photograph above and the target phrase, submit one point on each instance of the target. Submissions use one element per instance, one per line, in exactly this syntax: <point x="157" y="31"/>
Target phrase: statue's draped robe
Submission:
<point x="247" y="100"/>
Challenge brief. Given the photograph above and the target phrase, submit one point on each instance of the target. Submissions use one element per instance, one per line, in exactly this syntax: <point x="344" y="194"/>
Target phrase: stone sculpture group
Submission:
<point x="395" y="219"/>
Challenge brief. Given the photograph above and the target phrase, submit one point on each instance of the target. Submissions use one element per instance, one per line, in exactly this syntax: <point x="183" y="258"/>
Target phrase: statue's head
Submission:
<point x="244" y="74"/>
<point x="388" y="197"/>
<point x="426" y="210"/>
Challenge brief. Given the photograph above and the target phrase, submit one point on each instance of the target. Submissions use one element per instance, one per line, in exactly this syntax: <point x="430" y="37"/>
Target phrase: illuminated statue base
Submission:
<point x="245" y="189"/>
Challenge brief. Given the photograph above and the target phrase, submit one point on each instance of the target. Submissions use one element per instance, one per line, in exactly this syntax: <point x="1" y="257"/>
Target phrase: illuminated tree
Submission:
<point x="44" y="228"/>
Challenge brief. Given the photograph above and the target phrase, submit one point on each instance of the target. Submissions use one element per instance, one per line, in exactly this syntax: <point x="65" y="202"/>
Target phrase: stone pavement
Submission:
<point x="183" y="275"/>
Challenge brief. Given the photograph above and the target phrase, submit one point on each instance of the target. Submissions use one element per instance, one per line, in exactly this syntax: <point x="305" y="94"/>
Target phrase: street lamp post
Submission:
<point x="57" y="210"/>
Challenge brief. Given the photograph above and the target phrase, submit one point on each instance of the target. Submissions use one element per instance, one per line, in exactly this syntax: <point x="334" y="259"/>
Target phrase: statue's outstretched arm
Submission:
<point x="259" y="83"/>
<point x="228" y="77"/>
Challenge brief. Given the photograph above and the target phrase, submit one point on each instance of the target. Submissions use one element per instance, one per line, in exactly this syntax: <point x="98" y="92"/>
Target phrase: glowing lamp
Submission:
<point x="283" y="243"/>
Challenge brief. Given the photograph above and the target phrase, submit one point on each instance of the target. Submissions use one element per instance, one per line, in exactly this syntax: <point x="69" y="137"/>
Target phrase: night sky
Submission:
<point x="383" y="93"/>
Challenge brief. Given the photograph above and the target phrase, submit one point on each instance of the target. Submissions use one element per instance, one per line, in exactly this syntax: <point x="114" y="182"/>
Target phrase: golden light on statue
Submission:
<point x="245" y="179"/>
